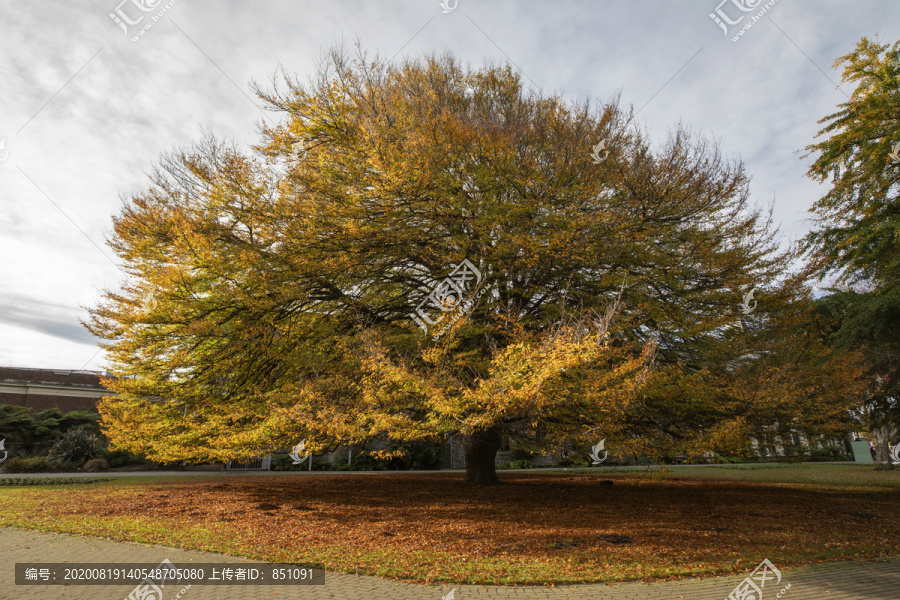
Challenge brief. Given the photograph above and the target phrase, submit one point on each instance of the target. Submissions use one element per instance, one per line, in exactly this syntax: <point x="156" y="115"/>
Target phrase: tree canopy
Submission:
<point x="857" y="234"/>
<point x="284" y="282"/>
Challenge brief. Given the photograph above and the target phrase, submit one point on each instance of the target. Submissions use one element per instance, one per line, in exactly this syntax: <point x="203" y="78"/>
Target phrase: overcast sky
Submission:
<point x="85" y="111"/>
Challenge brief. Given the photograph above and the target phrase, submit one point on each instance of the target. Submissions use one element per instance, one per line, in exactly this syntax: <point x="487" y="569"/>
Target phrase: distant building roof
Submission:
<point x="46" y="388"/>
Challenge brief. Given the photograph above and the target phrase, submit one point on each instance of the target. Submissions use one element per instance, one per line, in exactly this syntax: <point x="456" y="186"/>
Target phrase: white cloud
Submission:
<point x="99" y="133"/>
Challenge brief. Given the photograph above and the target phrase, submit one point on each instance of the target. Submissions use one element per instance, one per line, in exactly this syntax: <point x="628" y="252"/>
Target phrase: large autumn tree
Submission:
<point x="276" y="293"/>
<point x="856" y="240"/>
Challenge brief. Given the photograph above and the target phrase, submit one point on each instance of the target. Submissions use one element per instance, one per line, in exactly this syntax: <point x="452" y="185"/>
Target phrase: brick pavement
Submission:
<point x="833" y="581"/>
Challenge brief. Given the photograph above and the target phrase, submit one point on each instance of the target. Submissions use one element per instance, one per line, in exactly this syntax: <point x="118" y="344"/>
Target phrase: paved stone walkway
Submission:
<point x="834" y="581"/>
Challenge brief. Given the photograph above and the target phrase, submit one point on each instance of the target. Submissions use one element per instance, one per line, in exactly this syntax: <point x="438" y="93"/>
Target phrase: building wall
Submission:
<point x="40" y="389"/>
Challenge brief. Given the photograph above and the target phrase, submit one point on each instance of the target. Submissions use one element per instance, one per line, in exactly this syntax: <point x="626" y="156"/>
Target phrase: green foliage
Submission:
<point x="74" y="447"/>
<point x="416" y="455"/>
<point x="521" y="464"/>
<point x="16" y="424"/>
<point x="86" y="419"/>
<point x="32" y="433"/>
<point x="826" y="454"/>
<point x="283" y="462"/>
<point x="858" y="219"/>
<point x="32" y="464"/>
<point x="47" y="426"/>
<point x="121" y="458"/>
<point x="856" y="237"/>
<point x="364" y="461"/>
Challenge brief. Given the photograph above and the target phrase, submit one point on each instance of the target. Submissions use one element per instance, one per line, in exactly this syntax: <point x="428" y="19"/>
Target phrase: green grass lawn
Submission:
<point x="537" y="527"/>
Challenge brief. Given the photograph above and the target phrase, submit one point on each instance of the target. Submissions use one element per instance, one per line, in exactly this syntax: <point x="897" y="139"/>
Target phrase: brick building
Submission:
<point x="39" y="389"/>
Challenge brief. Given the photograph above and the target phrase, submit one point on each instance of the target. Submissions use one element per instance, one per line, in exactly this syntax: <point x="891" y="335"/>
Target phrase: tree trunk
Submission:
<point x="882" y="448"/>
<point x="481" y="456"/>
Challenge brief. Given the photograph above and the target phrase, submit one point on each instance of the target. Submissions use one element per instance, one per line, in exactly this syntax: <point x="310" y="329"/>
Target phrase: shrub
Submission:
<point x="521" y="464"/>
<point x="793" y="453"/>
<point x="796" y="458"/>
<point x="74" y="447"/>
<point x="96" y="464"/>
<point x="826" y="454"/>
<point x="13" y="464"/>
<point x="415" y="455"/>
<point x="120" y="458"/>
<point x="88" y="419"/>
<point x="364" y="461"/>
<point x="32" y="464"/>
<point x="283" y="462"/>
<point x="731" y="460"/>
<point x="16" y="425"/>
<point x="33" y="433"/>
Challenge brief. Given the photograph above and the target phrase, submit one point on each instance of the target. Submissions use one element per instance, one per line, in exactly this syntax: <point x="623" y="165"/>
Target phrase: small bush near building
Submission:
<point x="33" y="464"/>
<point x="826" y="454"/>
<point x="75" y="447"/>
<point x="120" y="458"/>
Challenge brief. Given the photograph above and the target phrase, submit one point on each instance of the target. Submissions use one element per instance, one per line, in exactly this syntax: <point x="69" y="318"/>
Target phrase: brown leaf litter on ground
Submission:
<point x="531" y="528"/>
